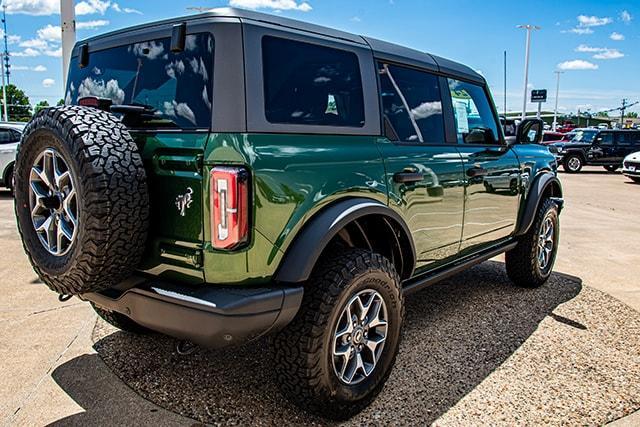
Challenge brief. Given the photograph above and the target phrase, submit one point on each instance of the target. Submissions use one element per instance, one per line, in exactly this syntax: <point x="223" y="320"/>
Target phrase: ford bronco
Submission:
<point x="233" y="175"/>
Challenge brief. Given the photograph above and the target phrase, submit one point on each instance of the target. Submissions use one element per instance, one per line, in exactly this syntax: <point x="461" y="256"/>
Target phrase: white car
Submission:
<point x="631" y="166"/>
<point x="10" y="134"/>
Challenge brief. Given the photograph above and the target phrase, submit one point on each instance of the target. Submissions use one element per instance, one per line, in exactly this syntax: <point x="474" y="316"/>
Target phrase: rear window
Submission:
<point x="178" y="86"/>
<point x="308" y="84"/>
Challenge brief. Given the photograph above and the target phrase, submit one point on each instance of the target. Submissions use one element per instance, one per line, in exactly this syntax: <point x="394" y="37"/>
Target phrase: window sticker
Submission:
<point x="461" y="116"/>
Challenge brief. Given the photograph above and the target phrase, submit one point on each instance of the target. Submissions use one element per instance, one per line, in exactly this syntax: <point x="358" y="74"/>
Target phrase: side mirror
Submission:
<point x="529" y="131"/>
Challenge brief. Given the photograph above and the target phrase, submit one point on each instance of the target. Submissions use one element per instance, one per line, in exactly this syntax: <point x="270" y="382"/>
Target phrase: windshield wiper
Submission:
<point x="142" y="115"/>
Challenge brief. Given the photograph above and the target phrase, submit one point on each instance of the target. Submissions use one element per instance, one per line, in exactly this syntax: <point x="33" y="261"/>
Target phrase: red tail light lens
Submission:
<point x="229" y="206"/>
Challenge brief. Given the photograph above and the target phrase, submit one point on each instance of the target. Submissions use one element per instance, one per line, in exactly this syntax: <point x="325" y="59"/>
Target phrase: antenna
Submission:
<point x="7" y="66"/>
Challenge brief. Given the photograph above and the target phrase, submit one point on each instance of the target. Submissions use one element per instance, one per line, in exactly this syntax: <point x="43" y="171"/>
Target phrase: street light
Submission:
<point x="555" y="110"/>
<point x="529" y="28"/>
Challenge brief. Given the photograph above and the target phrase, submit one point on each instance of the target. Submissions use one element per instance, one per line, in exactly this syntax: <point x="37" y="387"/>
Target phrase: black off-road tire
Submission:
<point x="111" y="196"/>
<point x="303" y="350"/>
<point x="567" y="159"/>
<point x="120" y="321"/>
<point x="523" y="267"/>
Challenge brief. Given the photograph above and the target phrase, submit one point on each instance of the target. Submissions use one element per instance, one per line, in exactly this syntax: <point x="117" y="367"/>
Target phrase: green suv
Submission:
<point x="231" y="175"/>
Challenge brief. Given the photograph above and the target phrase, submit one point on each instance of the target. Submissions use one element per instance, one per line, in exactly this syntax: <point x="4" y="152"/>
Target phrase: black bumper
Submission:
<point x="207" y="315"/>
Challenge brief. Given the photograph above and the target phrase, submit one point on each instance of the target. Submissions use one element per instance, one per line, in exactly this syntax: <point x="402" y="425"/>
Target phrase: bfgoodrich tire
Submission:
<point x="530" y="263"/>
<point x="323" y="363"/>
<point x="81" y="199"/>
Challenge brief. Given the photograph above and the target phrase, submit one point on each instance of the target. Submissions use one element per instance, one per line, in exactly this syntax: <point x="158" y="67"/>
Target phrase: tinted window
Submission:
<point x="628" y="138"/>
<point x="177" y="85"/>
<point x="411" y="104"/>
<point x="308" y="84"/>
<point x="475" y="121"/>
<point x="6" y="137"/>
<point x="605" y="138"/>
<point x="585" y="136"/>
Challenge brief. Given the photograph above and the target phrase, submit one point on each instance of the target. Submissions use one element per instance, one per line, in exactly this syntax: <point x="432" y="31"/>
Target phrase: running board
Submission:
<point x="418" y="283"/>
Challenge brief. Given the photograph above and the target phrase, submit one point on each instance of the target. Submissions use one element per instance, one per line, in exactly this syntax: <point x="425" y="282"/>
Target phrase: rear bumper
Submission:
<point x="207" y="315"/>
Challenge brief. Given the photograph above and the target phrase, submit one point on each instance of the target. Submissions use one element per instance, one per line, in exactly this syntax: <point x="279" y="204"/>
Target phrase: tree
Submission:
<point x="18" y="104"/>
<point x="61" y="102"/>
<point x="632" y="115"/>
<point x="602" y="114"/>
<point x="39" y="106"/>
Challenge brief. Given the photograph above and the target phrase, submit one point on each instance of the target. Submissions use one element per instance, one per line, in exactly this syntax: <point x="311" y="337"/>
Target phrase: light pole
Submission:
<point x="529" y="28"/>
<point x="68" y="25"/>
<point x="555" y="110"/>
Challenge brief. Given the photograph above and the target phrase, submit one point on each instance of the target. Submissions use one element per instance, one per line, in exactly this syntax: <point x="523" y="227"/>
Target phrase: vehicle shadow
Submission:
<point x="456" y="334"/>
<point x="5" y="195"/>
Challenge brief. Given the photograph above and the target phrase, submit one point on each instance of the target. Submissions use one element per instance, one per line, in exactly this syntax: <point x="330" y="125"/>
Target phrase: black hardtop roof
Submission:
<point x="381" y="49"/>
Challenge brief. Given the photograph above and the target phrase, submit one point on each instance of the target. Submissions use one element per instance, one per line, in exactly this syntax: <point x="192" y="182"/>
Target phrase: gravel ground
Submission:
<point x="476" y="351"/>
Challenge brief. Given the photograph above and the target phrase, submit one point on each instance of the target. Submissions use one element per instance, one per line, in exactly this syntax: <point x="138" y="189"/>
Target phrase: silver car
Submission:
<point x="10" y="134"/>
<point x="631" y="166"/>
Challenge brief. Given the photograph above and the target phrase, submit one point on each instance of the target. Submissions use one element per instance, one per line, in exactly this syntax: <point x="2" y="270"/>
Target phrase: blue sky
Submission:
<point x="597" y="43"/>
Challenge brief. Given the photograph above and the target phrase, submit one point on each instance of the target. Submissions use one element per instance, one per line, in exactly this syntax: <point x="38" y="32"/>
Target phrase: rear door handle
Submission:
<point x="474" y="172"/>
<point x="405" y="177"/>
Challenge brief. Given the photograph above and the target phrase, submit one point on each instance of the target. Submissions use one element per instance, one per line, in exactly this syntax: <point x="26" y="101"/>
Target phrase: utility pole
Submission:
<point x="622" y="110"/>
<point x="505" y="84"/>
<point x="555" y="110"/>
<point x="529" y="28"/>
<point x="7" y="66"/>
<point x="4" y="91"/>
<point x="68" y="25"/>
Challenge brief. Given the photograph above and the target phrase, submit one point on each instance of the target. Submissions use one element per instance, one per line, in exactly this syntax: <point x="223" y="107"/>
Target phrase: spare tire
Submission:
<point x="81" y="199"/>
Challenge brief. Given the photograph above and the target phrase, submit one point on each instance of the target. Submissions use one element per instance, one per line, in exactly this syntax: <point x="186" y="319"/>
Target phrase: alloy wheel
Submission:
<point x="359" y="337"/>
<point x="546" y="243"/>
<point x="54" y="207"/>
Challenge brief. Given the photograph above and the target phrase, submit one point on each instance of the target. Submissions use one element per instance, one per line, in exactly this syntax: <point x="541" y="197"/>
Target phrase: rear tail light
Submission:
<point x="229" y="206"/>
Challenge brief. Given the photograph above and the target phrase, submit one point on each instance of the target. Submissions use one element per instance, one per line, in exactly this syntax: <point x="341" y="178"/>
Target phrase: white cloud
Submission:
<point x="56" y="53"/>
<point x="90" y="7"/>
<point x="50" y="33"/>
<point x="27" y="52"/>
<point x="48" y="82"/>
<point x="593" y="21"/>
<point x="52" y="7"/>
<point x="35" y="44"/>
<point x="91" y="25"/>
<point x="609" y="54"/>
<point x="577" y="64"/>
<point x="33" y="7"/>
<point x="581" y="31"/>
<point x="37" y="68"/>
<point x="272" y="4"/>
<point x="616" y="36"/>
<point x="111" y="90"/>
<point x="625" y="16"/>
<point x="117" y="8"/>
<point x="600" y="52"/>
<point x="355" y="19"/>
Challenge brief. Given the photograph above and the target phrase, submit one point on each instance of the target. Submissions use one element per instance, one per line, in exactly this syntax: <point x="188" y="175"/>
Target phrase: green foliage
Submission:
<point x="602" y="114"/>
<point x="39" y="106"/>
<point x="18" y="103"/>
<point x="61" y="102"/>
<point x="632" y="115"/>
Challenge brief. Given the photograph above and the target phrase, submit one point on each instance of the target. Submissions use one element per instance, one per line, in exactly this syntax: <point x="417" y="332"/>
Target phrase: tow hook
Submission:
<point x="185" y="348"/>
<point x="64" y="297"/>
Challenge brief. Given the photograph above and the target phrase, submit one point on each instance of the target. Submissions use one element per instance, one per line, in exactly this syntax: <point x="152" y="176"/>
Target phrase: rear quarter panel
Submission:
<point x="293" y="177"/>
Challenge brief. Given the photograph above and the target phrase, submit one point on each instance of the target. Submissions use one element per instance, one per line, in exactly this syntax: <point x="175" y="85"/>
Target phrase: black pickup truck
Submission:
<point x="596" y="147"/>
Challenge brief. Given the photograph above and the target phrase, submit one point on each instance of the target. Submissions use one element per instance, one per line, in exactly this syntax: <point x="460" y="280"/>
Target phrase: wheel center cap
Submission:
<point x="53" y="202"/>
<point x="358" y="335"/>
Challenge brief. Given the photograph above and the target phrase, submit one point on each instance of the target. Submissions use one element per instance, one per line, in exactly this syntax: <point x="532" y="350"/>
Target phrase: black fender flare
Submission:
<point x="537" y="189"/>
<point x="313" y="238"/>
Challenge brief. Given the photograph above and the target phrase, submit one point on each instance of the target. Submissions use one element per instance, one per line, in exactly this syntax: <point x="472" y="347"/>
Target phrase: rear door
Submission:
<point x="627" y="142"/>
<point x="604" y="149"/>
<point x="177" y="87"/>
<point x="424" y="173"/>
<point x="491" y="169"/>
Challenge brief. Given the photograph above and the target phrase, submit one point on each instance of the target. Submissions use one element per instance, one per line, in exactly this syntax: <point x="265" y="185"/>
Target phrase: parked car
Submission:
<point x="549" y="137"/>
<point x="603" y="126"/>
<point x="10" y="134"/>
<point x="303" y="206"/>
<point x="631" y="166"/>
<point x="567" y="127"/>
<point x="605" y="148"/>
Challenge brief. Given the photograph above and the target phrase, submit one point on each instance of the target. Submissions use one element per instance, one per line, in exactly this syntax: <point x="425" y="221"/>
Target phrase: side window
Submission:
<point x="605" y="138"/>
<point x="5" y="136"/>
<point x="308" y="84"/>
<point x="624" y="138"/>
<point x="411" y="104"/>
<point x="15" y="136"/>
<point x="475" y="121"/>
